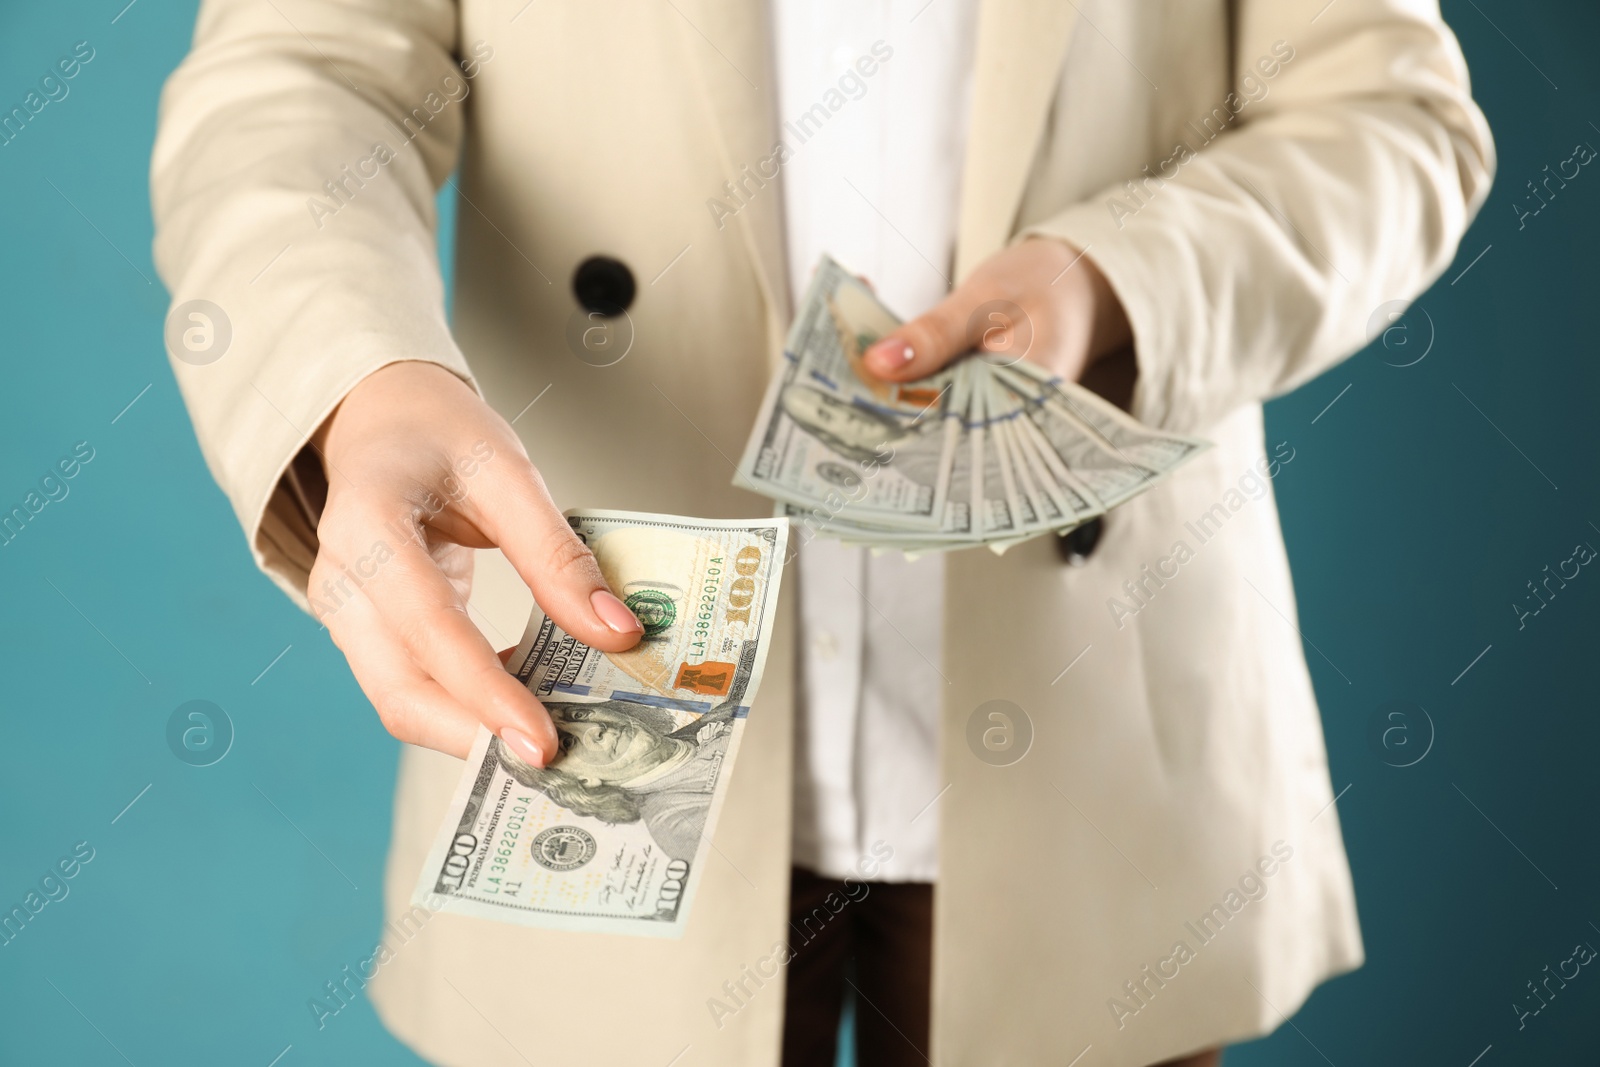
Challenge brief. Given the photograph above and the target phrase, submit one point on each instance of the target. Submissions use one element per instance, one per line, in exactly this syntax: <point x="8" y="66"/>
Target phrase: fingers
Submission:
<point x="412" y="706"/>
<point x="518" y="514"/>
<point x="407" y="619"/>
<point x="926" y="343"/>
<point x="1039" y="299"/>
<point x="402" y="621"/>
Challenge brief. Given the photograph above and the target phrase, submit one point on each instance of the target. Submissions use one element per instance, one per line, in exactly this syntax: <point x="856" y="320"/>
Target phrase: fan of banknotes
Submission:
<point x="989" y="451"/>
<point x="612" y="835"/>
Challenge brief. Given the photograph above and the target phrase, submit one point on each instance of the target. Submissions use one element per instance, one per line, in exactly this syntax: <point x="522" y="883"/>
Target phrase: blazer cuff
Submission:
<point x="280" y="500"/>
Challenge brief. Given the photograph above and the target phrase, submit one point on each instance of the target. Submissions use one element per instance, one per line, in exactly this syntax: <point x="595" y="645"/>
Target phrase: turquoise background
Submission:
<point x="225" y="896"/>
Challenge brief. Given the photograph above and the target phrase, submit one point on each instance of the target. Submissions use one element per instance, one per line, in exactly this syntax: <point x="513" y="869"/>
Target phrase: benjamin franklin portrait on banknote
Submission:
<point x="861" y="434"/>
<point x="622" y="762"/>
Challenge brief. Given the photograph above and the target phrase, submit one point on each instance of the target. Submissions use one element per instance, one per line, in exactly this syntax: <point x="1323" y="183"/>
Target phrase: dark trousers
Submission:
<point x="871" y="938"/>
<point x="876" y="937"/>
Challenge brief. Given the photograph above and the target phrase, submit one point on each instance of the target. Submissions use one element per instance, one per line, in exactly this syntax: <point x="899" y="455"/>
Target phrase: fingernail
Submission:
<point x="891" y="354"/>
<point x="614" y="613"/>
<point x="523" y="745"/>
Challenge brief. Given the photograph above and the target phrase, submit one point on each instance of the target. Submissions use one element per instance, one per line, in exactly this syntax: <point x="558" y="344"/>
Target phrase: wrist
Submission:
<point x="389" y="392"/>
<point x="1091" y="313"/>
<point x="1110" y="331"/>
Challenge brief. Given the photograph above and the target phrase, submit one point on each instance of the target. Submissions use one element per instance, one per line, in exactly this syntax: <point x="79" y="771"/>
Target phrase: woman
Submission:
<point x="1195" y="206"/>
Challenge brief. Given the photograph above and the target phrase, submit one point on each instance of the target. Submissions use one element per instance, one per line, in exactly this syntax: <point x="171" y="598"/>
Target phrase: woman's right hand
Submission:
<point x="420" y="472"/>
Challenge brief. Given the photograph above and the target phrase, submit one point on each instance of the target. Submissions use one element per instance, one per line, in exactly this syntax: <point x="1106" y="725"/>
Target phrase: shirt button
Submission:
<point x="825" y="645"/>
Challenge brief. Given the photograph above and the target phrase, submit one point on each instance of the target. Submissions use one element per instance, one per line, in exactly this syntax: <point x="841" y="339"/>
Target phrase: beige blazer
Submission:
<point x="1163" y="870"/>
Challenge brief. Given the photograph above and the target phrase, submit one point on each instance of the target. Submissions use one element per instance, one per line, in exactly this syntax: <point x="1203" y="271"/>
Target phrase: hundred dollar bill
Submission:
<point x="1046" y="504"/>
<point x="612" y="835"/>
<point x="828" y="435"/>
<point x="984" y="452"/>
<point x="1115" y="429"/>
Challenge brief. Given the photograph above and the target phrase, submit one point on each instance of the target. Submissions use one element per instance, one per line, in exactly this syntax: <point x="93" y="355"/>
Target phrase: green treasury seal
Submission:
<point x="654" y="610"/>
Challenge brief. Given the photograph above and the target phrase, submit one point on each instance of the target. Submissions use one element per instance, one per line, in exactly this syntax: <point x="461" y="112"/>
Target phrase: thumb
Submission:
<point x="926" y="343"/>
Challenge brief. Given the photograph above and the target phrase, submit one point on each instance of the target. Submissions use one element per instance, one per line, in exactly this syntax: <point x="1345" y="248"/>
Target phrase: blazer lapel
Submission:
<point x="1021" y="47"/>
<point x="727" y="44"/>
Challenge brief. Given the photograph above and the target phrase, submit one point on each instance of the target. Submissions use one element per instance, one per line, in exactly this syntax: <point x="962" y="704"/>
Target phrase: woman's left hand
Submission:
<point x="1040" y="299"/>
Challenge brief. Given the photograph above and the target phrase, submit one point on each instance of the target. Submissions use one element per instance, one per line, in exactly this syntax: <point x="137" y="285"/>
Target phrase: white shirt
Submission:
<point x="876" y="185"/>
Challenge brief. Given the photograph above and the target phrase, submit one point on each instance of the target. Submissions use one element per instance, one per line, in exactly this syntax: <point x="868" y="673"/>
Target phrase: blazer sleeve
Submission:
<point x="300" y="147"/>
<point x="1255" y="262"/>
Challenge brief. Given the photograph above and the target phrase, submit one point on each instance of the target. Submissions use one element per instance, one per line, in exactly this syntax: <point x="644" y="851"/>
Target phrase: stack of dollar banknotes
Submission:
<point x="612" y="836"/>
<point x="992" y="450"/>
